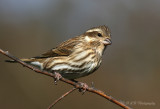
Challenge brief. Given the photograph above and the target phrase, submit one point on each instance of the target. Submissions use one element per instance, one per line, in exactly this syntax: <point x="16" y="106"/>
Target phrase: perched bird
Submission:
<point x="76" y="57"/>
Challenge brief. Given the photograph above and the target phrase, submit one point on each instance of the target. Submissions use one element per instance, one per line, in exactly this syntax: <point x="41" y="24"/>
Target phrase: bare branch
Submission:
<point x="76" y="85"/>
<point x="65" y="94"/>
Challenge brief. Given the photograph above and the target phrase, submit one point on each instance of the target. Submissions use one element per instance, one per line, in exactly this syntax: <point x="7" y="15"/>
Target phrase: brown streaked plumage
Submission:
<point x="76" y="57"/>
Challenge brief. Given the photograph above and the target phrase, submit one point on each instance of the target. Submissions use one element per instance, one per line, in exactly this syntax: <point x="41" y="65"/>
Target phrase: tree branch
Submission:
<point x="67" y="93"/>
<point x="76" y="85"/>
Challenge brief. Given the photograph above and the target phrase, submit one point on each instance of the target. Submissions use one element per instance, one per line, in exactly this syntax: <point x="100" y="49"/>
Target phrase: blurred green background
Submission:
<point x="130" y="70"/>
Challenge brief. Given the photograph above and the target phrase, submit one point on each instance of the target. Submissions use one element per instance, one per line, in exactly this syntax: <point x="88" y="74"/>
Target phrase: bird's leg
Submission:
<point x="83" y="85"/>
<point x="57" y="77"/>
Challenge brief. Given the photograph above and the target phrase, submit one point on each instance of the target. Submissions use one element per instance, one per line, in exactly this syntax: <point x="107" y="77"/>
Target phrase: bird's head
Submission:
<point x="98" y="36"/>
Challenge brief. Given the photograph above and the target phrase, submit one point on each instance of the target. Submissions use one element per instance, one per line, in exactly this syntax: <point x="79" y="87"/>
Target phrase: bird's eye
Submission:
<point x="99" y="34"/>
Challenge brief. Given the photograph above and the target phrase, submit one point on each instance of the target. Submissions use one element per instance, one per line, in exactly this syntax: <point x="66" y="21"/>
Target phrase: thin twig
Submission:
<point x="76" y="85"/>
<point x="65" y="94"/>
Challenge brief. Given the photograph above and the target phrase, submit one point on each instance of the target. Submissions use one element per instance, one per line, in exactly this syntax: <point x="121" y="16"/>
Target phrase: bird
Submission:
<point x="76" y="57"/>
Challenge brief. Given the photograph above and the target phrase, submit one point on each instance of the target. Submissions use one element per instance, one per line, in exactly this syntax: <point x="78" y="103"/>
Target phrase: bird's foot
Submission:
<point x="57" y="77"/>
<point x="84" y="87"/>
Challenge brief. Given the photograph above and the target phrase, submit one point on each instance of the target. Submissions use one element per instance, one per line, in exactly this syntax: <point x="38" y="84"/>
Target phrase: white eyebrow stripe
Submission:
<point x="96" y="29"/>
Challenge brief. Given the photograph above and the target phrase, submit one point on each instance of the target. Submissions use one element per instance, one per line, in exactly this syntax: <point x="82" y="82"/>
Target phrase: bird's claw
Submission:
<point x="84" y="87"/>
<point x="57" y="77"/>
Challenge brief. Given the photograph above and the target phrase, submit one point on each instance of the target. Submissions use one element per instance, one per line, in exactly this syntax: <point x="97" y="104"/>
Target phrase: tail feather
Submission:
<point x="11" y="61"/>
<point x="23" y="59"/>
<point x="32" y="61"/>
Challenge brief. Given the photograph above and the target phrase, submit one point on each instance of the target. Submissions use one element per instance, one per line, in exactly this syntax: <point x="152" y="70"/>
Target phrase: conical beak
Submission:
<point x="107" y="42"/>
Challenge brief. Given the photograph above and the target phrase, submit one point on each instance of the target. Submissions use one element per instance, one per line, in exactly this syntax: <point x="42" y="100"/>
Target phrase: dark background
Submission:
<point x="130" y="70"/>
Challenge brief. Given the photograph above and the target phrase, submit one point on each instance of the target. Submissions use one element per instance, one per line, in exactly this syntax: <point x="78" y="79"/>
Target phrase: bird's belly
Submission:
<point x="75" y="72"/>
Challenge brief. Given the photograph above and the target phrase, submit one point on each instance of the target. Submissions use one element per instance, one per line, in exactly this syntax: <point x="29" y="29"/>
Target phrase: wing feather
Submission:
<point x="64" y="49"/>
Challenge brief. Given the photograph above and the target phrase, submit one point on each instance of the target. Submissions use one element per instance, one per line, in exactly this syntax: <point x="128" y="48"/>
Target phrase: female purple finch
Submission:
<point x="76" y="57"/>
